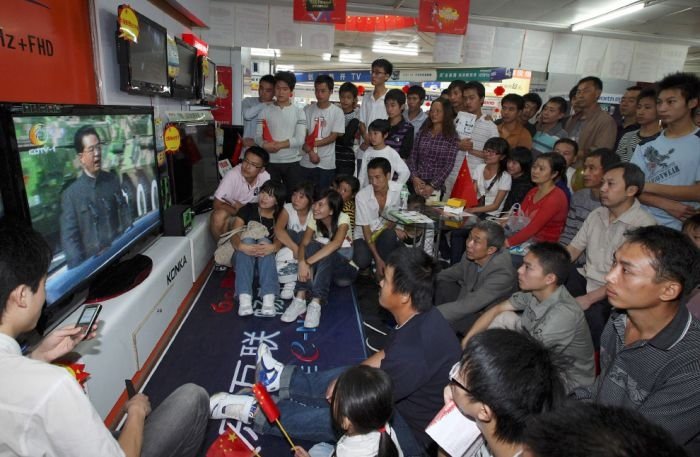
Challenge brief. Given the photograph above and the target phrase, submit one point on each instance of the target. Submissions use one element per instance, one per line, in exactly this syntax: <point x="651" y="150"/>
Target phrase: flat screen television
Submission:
<point x="91" y="206"/>
<point x="143" y="65"/>
<point x="206" y="88"/>
<point x="183" y="86"/>
<point x="193" y="169"/>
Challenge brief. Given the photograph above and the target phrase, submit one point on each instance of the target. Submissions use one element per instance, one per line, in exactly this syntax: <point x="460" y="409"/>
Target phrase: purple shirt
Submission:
<point x="433" y="157"/>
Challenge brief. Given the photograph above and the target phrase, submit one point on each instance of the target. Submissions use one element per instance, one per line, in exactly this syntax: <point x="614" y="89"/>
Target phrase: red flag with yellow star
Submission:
<point x="228" y="445"/>
<point x="464" y="186"/>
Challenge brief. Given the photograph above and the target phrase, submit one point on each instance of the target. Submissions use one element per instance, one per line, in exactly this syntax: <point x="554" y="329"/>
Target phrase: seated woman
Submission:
<point x="327" y="247"/>
<point x="289" y="228"/>
<point x="256" y="249"/>
<point x="545" y="205"/>
<point x="518" y="165"/>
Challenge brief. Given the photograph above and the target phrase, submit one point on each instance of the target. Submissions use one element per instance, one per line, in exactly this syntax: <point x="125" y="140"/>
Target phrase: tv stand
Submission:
<point x="120" y="278"/>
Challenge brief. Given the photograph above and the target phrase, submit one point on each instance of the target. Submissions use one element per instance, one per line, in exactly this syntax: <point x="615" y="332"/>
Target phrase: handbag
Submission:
<point x="512" y="220"/>
<point x="224" y="250"/>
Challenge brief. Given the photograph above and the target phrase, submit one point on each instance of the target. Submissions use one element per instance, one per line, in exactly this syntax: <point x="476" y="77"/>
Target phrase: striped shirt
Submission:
<point x="628" y="143"/>
<point x="659" y="377"/>
<point x="581" y="205"/>
<point x="484" y="130"/>
<point x="285" y="123"/>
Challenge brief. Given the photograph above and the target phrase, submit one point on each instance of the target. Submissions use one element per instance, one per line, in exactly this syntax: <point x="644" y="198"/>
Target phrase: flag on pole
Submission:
<point x="464" y="186"/>
<point x="311" y="137"/>
<point x="267" y="136"/>
<point x="237" y="150"/>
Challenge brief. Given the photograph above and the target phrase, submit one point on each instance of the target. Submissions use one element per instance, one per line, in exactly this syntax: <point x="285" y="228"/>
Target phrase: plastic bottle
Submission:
<point x="403" y="197"/>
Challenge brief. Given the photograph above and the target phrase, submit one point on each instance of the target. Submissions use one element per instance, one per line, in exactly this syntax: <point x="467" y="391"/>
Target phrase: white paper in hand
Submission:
<point x="464" y="124"/>
<point x="455" y="433"/>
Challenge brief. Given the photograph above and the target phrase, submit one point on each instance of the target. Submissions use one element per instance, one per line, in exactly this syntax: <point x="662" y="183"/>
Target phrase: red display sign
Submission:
<point x="200" y="45"/>
<point x="443" y="16"/>
<point x="224" y="101"/>
<point x="320" y="11"/>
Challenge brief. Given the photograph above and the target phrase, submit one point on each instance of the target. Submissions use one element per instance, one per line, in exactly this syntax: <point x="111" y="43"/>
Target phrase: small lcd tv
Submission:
<point x="184" y="85"/>
<point x="206" y="88"/>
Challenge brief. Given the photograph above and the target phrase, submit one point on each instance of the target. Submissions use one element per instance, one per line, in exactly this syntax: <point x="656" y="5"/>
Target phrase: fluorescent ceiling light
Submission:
<point x="382" y="47"/>
<point x="614" y="14"/>
<point x="326" y="56"/>
<point x="285" y="68"/>
<point x="350" y="57"/>
<point x="264" y="52"/>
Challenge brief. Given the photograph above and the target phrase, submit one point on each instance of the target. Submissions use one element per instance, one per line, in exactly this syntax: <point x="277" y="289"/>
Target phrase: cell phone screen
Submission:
<point x="87" y="316"/>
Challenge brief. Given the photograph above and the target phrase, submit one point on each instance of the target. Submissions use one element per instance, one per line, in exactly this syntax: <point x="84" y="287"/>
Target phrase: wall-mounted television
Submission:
<point x="183" y="86"/>
<point x="206" y="87"/>
<point x="86" y="178"/>
<point x="193" y="169"/>
<point x="143" y="65"/>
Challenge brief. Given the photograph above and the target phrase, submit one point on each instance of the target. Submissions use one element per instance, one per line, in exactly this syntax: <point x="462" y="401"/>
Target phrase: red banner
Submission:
<point x="320" y="11"/>
<point x="443" y="16"/>
<point x="224" y="102"/>
<point x="375" y="23"/>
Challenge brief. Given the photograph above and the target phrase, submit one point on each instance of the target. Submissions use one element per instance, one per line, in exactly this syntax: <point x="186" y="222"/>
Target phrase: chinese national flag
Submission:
<point x="311" y="137"/>
<point x="267" y="136"/>
<point x="464" y="186"/>
<point x="228" y="445"/>
<point x="237" y="150"/>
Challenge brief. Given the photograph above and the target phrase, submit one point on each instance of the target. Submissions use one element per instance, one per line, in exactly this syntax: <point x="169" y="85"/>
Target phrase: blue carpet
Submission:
<point x="216" y="349"/>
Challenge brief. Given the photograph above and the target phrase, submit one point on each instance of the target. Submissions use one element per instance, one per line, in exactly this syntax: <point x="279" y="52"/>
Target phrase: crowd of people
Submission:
<point x="574" y="331"/>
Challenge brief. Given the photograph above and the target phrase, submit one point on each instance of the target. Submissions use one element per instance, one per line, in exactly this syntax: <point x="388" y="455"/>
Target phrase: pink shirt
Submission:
<point x="234" y="187"/>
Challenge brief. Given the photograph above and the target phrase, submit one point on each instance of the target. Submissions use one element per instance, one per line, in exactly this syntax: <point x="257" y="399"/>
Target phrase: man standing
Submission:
<point x="253" y="106"/>
<point x="484" y="276"/>
<point x="240" y="185"/>
<point x="415" y="114"/>
<point x="372" y="106"/>
<point x="628" y="112"/>
<point x="533" y="103"/>
<point x="93" y="209"/>
<point x="590" y="126"/>
<point x="548" y="129"/>
<point x="511" y="128"/>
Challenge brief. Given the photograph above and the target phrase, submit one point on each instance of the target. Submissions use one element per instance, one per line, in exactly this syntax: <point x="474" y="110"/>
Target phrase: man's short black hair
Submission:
<point x="457" y="84"/>
<point x="607" y="156"/>
<point x="687" y="83"/>
<point x="477" y="86"/>
<point x="414" y="274"/>
<point x="631" y="174"/>
<point x="24" y="259"/>
<point x="260" y="152"/>
<point x="324" y="79"/>
<point x="385" y="65"/>
<point x="348" y="87"/>
<point x="270" y="79"/>
<point x="534" y="98"/>
<point x="561" y="102"/>
<point x="568" y="141"/>
<point x="379" y="162"/>
<point x="554" y="258"/>
<point x="350" y="180"/>
<point x="588" y="429"/>
<point x="648" y="92"/>
<point x="674" y="256"/>
<point x="634" y="88"/>
<point x="591" y="79"/>
<point x="396" y="95"/>
<point x="514" y="99"/>
<point x="286" y="77"/>
<point x="81" y="133"/>
<point x="380" y="125"/>
<point x="572" y="93"/>
<point x="515" y="375"/>
<point x="417" y="90"/>
<point x="495" y="235"/>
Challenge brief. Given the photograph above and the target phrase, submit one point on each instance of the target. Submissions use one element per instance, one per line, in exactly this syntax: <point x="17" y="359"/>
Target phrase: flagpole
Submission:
<point x="279" y="424"/>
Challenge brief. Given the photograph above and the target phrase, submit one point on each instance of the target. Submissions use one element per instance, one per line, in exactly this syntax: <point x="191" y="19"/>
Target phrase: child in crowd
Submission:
<point x="378" y="132"/>
<point x="327" y="247"/>
<point x="401" y="132"/>
<point x="325" y="122"/>
<point x="347" y="186"/>
<point x="289" y="229"/>
<point x="691" y="227"/>
<point x="345" y="143"/>
<point x="256" y="249"/>
<point x="361" y="406"/>
<point x="518" y="166"/>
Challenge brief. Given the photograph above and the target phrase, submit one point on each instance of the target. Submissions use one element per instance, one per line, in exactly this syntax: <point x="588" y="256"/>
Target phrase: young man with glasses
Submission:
<point x="240" y="185"/>
<point x="93" y="209"/>
<point x="372" y="106"/>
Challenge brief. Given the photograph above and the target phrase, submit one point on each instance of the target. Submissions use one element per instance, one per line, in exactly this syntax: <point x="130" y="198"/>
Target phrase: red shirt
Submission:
<point x="547" y="217"/>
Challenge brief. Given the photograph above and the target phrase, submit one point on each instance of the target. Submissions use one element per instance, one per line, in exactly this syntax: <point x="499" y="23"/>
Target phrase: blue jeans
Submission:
<point x="334" y="267"/>
<point x="245" y="271"/>
<point x="305" y="412"/>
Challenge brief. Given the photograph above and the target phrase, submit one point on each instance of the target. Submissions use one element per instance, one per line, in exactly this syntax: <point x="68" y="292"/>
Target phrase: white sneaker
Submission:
<point x="268" y="306"/>
<point x="313" y="315"/>
<point x="296" y="308"/>
<point x="268" y="370"/>
<point x="224" y="405"/>
<point x="287" y="292"/>
<point x="245" y="305"/>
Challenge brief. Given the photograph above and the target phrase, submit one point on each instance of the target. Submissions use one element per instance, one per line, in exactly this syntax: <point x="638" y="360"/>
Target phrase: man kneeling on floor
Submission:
<point x="549" y="312"/>
<point x="418" y="356"/>
<point x="43" y="410"/>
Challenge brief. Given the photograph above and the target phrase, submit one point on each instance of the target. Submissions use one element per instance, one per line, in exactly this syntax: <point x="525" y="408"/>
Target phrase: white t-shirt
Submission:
<point x="293" y="223"/>
<point x="398" y="165"/>
<point x="332" y="120"/>
<point x="481" y="132"/>
<point x="370" y="109"/>
<point x="482" y="184"/>
<point x="367" y="207"/>
<point x="366" y="445"/>
<point x="343" y="219"/>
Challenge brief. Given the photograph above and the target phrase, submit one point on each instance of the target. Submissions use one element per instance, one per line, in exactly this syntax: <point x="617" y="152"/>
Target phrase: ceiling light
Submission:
<point x="265" y="52"/>
<point x="401" y="51"/>
<point x="350" y="57"/>
<point x="326" y="56"/>
<point x="614" y="14"/>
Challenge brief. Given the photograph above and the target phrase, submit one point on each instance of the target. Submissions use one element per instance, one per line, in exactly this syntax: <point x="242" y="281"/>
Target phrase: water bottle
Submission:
<point x="404" y="197"/>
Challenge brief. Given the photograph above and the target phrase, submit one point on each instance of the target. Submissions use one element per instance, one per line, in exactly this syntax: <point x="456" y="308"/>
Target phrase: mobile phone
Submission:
<point x="130" y="390"/>
<point x="88" y="317"/>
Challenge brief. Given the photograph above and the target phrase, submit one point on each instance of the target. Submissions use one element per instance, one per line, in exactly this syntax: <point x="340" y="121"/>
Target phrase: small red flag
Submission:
<point x="228" y="445"/>
<point x="237" y="150"/>
<point x="266" y="403"/>
<point x="311" y="137"/>
<point x="267" y="136"/>
<point x="464" y="186"/>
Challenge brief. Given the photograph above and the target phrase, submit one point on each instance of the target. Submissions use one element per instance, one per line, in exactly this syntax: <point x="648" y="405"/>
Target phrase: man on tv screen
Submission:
<point x="93" y="209"/>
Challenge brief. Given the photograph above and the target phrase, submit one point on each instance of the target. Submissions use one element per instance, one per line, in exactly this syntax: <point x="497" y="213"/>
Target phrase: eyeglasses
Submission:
<point x="92" y="149"/>
<point x="253" y="164"/>
<point x="453" y="378"/>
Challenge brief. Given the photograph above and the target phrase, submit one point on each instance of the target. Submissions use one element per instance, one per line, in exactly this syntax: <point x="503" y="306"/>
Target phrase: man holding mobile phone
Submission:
<point x="43" y="410"/>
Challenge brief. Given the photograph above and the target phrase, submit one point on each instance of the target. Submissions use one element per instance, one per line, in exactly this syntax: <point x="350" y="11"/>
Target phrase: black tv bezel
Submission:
<point x="126" y="82"/>
<point x="180" y="91"/>
<point x="206" y="98"/>
<point x="14" y="191"/>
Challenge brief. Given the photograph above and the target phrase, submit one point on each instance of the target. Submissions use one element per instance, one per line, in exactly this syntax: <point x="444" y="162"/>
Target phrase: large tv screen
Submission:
<point x="184" y="84"/>
<point x="88" y="183"/>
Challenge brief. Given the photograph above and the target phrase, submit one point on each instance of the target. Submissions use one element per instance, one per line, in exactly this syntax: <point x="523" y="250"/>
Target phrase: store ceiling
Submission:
<point x="665" y="21"/>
